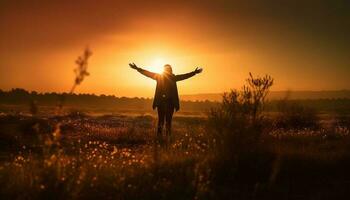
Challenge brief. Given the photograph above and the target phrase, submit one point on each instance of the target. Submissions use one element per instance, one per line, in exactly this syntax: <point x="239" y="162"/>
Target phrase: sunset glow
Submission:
<point x="235" y="39"/>
<point x="157" y="65"/>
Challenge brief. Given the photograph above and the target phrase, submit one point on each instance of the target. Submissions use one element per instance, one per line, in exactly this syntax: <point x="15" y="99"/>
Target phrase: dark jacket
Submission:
<point x="166" y="87"/>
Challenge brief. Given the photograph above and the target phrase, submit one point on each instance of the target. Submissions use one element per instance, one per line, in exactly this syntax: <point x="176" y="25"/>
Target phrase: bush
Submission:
<point x="343" y="120"/>
<point x="238" y="121"/>
<point x="240" y="163"/>
<point x="293" y="115"/>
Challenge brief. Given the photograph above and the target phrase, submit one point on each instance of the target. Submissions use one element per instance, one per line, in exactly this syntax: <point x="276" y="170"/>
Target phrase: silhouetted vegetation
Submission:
<point x="91" y="102"/>
<point x="80" y="73"/>
<point x="330" y="106"/>
<point x="246" y="148"/>
<point x="238" y="121"/>
<point x="109" y="103"/>
<point x="256" y="160"/>
<point x="293" y="115"/>
<point x="237" y="126"/>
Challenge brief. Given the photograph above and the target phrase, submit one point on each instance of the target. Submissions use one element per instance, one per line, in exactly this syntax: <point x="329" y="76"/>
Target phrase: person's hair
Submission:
<point x="168" y="68"/>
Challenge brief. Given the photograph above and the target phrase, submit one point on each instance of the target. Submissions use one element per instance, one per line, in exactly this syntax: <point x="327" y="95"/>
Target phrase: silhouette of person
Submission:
<point x="166" y="97"/>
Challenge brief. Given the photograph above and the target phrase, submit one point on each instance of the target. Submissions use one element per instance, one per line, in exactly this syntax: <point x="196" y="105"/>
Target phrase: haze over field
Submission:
<point x="304" y="45"/>
<point x="273" y="95"/>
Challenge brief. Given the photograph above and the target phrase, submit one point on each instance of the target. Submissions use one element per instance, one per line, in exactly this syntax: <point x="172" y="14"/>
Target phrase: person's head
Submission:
<point x="168" y="69"/>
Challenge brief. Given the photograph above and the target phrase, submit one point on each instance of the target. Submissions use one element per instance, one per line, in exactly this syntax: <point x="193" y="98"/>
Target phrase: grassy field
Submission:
<point x="79" y="156"/>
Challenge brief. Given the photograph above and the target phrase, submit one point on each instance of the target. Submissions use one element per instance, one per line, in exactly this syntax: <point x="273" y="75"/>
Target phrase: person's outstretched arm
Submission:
<point x="181" y="77"/>
<point x="143" y="71"/>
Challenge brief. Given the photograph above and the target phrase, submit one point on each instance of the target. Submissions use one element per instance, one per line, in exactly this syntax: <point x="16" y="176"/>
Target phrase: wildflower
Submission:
<point x="115" y="150"/>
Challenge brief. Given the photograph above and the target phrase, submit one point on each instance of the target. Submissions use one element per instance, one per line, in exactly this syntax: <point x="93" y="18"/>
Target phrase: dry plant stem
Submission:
<point x="80" y="73"/>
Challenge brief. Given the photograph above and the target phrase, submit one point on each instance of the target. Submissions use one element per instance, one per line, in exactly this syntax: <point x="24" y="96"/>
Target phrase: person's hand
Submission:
<point x="198" y="70"/>
<point x="133" y="66"/>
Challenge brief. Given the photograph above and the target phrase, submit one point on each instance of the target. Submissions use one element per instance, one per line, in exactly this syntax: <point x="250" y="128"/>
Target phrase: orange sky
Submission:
<point x="304" y="45"/>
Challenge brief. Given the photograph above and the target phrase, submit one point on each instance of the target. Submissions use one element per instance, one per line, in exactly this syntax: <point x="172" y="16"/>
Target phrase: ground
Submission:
<point x="79" y="156"/>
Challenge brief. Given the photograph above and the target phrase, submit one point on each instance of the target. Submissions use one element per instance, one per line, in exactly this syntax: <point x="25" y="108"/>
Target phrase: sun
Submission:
<point x="158" y="65"/>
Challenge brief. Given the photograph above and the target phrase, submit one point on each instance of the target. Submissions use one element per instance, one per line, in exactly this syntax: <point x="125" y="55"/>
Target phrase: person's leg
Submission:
<point x="161" y="117"/>
<point x="168" y="119"/>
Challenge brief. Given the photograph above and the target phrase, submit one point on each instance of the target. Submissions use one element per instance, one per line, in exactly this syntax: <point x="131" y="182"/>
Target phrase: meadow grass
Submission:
<point x="115" y="157"/>
<point x="234" y="152"/>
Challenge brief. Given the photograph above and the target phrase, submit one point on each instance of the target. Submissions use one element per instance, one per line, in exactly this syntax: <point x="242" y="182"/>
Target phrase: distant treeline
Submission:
<point x="110" y="102"/>
<point x="20" y="96"/>
<point x="332" y="106"/>
<point x="277" y="95"/>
